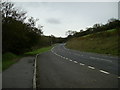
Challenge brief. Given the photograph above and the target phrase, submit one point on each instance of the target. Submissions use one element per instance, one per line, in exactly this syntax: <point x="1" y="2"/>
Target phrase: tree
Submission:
<point x="17" y="36"/>
<point x="81" y="30"/>
<point x="70" y="32"/>
<point x="111" y="20"/>
<point x="9" y="11"/>
<point x="96" y="26"/>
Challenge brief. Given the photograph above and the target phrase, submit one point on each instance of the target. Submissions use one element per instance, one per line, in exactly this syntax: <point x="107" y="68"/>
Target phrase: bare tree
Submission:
<point x="70" y="32"/>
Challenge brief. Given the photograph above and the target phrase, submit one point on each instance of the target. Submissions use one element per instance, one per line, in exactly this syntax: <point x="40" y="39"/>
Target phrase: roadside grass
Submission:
<point x="38" y="51"/>
<point x="103" y="42"/>
<point x="9" y="58"/>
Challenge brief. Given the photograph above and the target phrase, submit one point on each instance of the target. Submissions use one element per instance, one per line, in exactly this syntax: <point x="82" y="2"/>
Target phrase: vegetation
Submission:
<point x="99" y="38"/>
<point x="105" y="42"/>
<point x="111" y="24"/>
<point x="38" y="51"/>
<point x="8" y="60"/>
<point x="17" y="36"/>
<point x="20" y="35"/>
<point x="19" y="32"/>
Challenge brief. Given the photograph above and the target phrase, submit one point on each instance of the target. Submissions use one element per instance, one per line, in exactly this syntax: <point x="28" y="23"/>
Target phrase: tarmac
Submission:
<point x="20" y="74"/>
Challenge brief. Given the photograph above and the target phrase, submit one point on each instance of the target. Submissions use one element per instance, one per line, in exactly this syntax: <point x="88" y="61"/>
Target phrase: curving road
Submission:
<point x="66" y="68"/>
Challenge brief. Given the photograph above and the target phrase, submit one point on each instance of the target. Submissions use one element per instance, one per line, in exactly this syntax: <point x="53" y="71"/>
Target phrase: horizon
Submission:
<point x="59" y="17"/>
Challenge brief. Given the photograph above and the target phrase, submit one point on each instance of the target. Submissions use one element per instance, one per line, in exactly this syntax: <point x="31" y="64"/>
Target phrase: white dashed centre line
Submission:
<point x="60" y="56"/>
<point x="66" y="58"/>
<point x="75" y="62"/>
<point x="104" y="72"/>
<point x="91" y="67"/>
<point x="82" y="64"/>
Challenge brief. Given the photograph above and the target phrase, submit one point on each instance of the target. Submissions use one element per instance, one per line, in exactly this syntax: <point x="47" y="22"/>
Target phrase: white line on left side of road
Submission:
<point x="104" y="72"/>
<point x="34" y="72"/>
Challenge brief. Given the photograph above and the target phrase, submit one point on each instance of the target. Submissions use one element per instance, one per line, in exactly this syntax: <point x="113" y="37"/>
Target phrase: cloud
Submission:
<point x="53" y="21"/>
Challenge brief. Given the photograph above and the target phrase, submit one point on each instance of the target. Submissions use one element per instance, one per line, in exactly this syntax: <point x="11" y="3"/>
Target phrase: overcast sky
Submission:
<point x="59" y="17"/>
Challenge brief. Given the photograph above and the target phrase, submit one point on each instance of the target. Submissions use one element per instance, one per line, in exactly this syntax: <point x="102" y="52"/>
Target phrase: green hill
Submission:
<point x="105" y="42"/>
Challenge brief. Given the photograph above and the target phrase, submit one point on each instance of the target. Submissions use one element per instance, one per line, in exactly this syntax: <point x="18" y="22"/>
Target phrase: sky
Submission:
<point x="59" y="17"/>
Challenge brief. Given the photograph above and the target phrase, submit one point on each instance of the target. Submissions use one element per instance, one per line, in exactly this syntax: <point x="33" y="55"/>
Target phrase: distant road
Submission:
<point x="65" y="68"/>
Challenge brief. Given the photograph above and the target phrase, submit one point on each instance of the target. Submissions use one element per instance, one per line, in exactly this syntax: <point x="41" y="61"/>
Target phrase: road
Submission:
<point x="66" y="68"/>
<point x="19" y="75"/>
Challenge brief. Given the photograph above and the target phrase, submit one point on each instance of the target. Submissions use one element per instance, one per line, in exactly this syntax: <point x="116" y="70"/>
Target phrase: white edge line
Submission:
<point x="34" y="73"/>
<point x="104" y="72"/>
<point x="70" y="60"/>
<point x="119" y="77"/>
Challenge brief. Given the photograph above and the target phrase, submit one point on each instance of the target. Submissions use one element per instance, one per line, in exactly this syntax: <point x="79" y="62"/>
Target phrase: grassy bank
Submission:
<point x="38" y="51"/>
<point x="9" y="58"/>
<point x="105" y="42"/>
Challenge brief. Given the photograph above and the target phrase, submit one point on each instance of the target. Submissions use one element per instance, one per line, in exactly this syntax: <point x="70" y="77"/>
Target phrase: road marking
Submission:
<point x="105" y="60"/>
<point x="63" y="57"/>
<point x="55" y="53"/>
<point x="66" y="58"/>
<point x="58" y="55"/>
<point x="104" y="72"/>
<point x="75" y="62"/>
<point x="64" y="47"/>
<point x="91" y="67"/>
<point x="82" y="64"/>
<point x="100" y="59"/>
<point x="93" y="57"/>
<point x="52" y="48"/>
<point x="119" y="77"/>
<point x="34" y="72"/>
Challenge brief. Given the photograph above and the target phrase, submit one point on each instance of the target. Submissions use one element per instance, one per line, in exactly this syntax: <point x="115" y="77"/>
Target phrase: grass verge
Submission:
<point x="38" y="51"/>
<point x="102" y="42"/>
<point x="8" y="59"/>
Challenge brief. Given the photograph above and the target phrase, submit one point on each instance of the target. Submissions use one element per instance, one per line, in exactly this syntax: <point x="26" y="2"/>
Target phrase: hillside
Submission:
<point x="105" y="42"/>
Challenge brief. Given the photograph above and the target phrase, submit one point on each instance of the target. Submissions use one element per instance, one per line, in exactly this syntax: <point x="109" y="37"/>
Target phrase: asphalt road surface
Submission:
<point x="66" y="68"/>
<point x="19" y="75"/>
